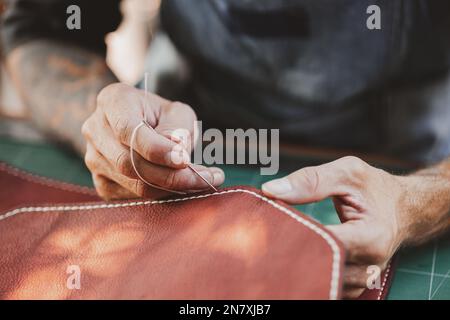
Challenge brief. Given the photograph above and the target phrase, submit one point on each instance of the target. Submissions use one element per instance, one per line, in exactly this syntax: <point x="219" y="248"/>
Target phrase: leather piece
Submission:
<point x="233" y="244"/>
<point x="35" y="190"/>
<point x="19" y="188"/>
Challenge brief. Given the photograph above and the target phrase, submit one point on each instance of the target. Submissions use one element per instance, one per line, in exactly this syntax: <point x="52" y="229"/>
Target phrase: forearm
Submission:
<point x="426" y="203"/>
<point x="59" y="85"/>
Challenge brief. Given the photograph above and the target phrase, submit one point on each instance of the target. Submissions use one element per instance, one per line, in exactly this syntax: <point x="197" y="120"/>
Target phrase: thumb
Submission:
<point x="177" y="122"/>
<point x="309" y="184"/>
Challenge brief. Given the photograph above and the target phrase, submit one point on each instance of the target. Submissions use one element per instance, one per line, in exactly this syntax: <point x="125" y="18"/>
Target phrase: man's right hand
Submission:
<point x="120" y="108"/>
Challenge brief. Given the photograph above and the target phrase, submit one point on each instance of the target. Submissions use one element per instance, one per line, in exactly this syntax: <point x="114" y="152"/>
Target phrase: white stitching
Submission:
<point x="334" y="286"/>
<point x="386" y="275"/>
<point x="46" y="181"/>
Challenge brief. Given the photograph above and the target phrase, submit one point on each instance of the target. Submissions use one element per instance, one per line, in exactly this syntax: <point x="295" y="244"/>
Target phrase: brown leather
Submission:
<point x="233" y="244"/>
<point x="18" y="188"/>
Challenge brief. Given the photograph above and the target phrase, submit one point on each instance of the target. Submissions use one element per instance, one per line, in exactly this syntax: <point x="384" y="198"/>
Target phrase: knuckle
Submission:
<point x="103" y="95"/>
<point x="356" y="170"/>
<point x="311" y="178"/>
<point x="109" y="90"/>
<point x="355" y="164"/>
<point x="101" y="187"/>
<point x="123" y="164"/>
<point x="181" y="106"/>
<point x="123" y="130"/>
<point x="90" y="161"/>
<point x="184" y="108"/>
<point x="171" y="180"/>
<point x="86" y="128"/>
<point x="139" y="188"/>
<point x="102" y="192"/>
<point x="109" y="95"/>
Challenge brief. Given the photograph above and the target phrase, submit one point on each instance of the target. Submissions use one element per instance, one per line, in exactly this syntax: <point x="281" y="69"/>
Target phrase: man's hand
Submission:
<point x="371" y="203"/>
<point x="161" y="156"/>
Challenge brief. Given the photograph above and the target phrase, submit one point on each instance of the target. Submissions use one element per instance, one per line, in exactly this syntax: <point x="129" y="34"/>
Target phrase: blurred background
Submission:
<point x="129" y="43"/>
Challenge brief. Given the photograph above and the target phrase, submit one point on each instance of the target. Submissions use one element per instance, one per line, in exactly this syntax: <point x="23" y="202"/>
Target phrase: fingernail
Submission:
<point x="178" y="157"/>
<point x="186" y="158"/>
<point x="219" y="178"/>
<point x="207" y="176"/>
<point x="277" y="187"/>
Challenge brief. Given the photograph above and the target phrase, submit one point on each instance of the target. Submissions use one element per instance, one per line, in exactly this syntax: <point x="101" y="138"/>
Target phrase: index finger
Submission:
<point x="127" y="118"/>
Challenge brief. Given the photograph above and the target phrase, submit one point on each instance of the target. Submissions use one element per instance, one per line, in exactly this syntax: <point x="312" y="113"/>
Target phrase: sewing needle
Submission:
<point x="203" y="178"/>
<point x="146" y="90"/>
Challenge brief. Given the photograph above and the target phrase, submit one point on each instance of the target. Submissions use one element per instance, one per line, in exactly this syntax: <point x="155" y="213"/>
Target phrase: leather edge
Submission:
<point x="337" y="251"/>
<point x="48" y="182"/>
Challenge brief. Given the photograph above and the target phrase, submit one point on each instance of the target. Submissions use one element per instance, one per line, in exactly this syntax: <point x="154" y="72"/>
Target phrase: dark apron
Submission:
<point x="314" y="70"/>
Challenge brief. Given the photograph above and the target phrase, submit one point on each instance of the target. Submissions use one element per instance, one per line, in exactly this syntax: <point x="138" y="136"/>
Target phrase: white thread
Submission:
<point x="334" y="285"/>
<point x="386" y="275"/>
<point x="133" y="138"/>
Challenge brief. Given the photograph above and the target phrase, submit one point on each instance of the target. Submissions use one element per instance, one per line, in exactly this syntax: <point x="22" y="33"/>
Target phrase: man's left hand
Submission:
<point x="369" y="203"/>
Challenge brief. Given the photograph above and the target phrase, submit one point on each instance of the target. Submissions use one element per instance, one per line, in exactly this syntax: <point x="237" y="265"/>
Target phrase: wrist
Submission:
<point x="423" y="207"/>
<point x="406" y="209"/>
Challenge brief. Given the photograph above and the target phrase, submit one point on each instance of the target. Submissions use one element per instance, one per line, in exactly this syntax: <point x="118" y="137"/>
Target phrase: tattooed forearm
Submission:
<point x="59" y="85"/>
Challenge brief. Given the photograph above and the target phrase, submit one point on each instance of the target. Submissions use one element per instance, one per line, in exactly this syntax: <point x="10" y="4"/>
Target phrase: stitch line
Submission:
<point x="334" y="285"/>
<point x="384" y="281"/>
<point x="27" y="176"/>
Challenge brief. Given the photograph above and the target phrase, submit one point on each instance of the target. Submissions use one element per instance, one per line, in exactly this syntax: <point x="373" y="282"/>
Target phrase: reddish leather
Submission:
<point x="229" y="246"/>
<point x="19" y="189"/>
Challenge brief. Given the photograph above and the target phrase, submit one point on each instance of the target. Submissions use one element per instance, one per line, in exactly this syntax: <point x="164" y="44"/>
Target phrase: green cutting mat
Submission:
<point x="422" y="273"/>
